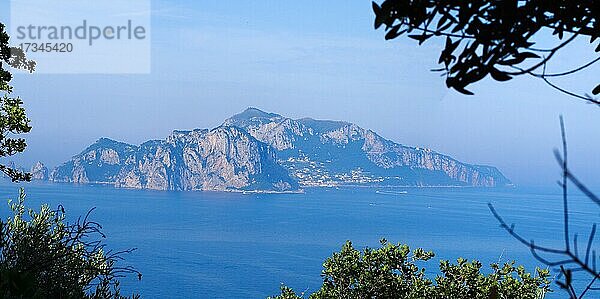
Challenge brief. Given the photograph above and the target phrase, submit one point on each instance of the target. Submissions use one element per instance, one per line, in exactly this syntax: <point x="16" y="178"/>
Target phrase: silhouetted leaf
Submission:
<point x="463" y="90"/>
<point x="596" y="90"/>
<point x="394" y="32"/>
<point x="499" y="75"/>
<point x="450" y="45"/>
<point x="527" y="55"/>
<point x="378" y="18"/>
<point x="442" y="22"/>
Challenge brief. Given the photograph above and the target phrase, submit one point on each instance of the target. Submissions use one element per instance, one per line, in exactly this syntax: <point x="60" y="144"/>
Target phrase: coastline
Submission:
<point x="301" y="190"/>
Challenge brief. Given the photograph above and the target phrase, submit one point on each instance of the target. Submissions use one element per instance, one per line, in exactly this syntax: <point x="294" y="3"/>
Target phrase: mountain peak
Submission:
<point x="108" y="143"/>
<point x="105" y="140"/>
<point x="251" y="115"/>
<point x="252" y="112"/>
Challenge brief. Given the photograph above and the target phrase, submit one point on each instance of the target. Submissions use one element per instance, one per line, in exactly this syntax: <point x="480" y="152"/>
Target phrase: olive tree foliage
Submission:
<point x="13" y="120"/>
<point x="43" y="256"/>
<point x="394" y="271"/>
<point x="495" y="38"/>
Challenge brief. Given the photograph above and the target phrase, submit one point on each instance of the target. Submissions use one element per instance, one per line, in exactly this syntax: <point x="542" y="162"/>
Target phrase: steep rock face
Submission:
<point x="39" y="172"/>
<point x="225" y="158"/>
<point x="319" y="152"/>
<point x="255" y="150"/>
<point x="99" y="163"/>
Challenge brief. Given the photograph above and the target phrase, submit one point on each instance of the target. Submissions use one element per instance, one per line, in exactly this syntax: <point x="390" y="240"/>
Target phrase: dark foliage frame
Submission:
<point x="494" y="38"/>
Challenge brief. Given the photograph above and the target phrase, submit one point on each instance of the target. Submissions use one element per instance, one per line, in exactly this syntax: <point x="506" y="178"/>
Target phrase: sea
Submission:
<point x="235" y="245"/>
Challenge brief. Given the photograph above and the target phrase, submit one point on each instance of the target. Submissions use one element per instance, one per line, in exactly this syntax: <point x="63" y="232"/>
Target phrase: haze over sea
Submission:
<point x="233" y="245"/>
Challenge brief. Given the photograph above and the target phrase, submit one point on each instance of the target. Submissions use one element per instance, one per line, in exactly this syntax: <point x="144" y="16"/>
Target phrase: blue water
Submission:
<point x="227" y="245"/>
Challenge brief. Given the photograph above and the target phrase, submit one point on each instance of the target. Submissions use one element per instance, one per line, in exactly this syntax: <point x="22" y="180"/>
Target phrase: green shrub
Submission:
<point x="42" y="256"/>
<point x="392" y="271"/>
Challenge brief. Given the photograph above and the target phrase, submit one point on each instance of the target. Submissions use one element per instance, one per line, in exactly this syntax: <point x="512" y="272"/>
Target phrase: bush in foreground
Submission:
<point x="42" y="256"/>
<point x="392" y="271"/>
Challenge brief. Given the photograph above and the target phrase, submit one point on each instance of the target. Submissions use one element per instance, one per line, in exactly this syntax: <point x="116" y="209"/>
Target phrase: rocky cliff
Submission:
<point x="255" y="150"/>
<point x="225" y="158"/>
<point x="39" y="172"/>
<point x="319" y="152"/>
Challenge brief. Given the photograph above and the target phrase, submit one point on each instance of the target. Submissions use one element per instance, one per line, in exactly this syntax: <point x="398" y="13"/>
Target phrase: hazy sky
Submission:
<point x="320" y="59"/>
